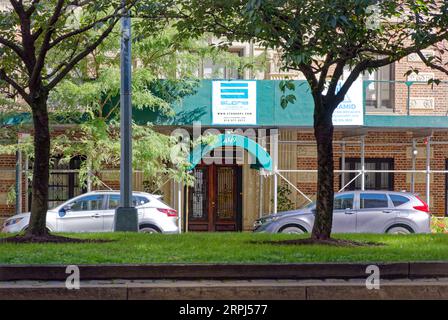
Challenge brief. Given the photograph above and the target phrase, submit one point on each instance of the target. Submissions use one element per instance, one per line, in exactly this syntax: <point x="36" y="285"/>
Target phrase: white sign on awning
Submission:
<point x="234" y="102"/>
<point x="350" y="112"/>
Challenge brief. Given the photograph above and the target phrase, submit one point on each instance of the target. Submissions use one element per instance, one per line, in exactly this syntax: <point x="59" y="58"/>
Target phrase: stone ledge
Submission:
<point x="228" y="290"/>
<point x="205" y="271"/>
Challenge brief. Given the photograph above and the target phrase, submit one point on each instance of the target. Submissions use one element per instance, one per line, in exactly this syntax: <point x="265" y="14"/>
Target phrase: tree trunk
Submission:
<point x="39" y="203"/>
<point x="323" y="132"/>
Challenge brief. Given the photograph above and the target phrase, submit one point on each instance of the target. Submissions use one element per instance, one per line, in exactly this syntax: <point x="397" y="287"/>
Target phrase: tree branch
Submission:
<point x="354" y="74"/>
<point x="45" y="43"/>
<point x="32" y="8"/>
<point x="15" y="85"/>
<point x="61" y="65"/>
<point x="432" y="64"/>
<point x="14" y="47"/>
<point x="337" y="74"/>
<point x="70" y="65"/>
<point x="324" y="71"/>
<point x="82" y="30"/>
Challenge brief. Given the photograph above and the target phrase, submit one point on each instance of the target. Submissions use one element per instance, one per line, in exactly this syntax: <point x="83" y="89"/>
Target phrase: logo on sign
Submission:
<point x="236" y="91"/>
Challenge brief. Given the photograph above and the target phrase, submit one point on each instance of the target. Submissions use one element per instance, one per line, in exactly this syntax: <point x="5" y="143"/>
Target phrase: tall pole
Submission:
<point x="126" y="215"/>
<point x="363" y="163"/>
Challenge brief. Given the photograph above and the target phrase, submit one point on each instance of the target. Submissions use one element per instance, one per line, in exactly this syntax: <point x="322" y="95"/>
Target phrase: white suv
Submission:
<point x="94" y="212"/>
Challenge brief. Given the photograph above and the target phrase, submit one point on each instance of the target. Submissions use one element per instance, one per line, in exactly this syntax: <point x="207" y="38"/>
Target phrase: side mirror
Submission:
<point x="62" y="212"/>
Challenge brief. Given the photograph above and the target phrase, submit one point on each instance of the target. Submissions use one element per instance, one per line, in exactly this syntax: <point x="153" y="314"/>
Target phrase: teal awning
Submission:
<point x="263" y="159"/>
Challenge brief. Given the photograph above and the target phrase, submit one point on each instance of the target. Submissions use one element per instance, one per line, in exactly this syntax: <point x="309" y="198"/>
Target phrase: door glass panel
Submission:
<point x="199" y="195"/>
<point x="88" y="203"/>
<point x="343" y="202"/>
<point x="373" y="200"/>
<point x="225" y="208"/>
<point x="114" y="201"/>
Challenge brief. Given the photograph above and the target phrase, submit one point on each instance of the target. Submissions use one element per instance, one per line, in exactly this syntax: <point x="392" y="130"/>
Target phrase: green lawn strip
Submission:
<point x="223" y="248"/>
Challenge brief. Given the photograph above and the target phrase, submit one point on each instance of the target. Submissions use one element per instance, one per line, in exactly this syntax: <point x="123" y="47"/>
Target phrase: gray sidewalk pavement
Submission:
<point x="434" y="288"/>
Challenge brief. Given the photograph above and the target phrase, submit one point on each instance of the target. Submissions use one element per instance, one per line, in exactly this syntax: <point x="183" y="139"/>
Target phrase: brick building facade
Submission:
<point x="408" y="107"/>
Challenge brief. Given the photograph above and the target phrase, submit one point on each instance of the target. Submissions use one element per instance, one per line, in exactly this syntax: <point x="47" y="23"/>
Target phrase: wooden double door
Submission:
<point x="215" y="200"/>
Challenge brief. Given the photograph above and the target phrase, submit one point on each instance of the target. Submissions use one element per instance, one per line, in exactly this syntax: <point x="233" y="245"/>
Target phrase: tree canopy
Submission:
<point x="331" y="42"/>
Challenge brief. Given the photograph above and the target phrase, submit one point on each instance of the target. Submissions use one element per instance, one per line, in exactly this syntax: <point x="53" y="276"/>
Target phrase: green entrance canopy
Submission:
<point x="263" y="159"/>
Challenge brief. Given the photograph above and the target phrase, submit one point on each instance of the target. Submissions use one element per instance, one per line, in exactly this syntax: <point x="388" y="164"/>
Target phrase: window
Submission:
<point x="88" y="203"/>
<point x="114" y="201"/>
<point x="374" y="180"/>
<point x="63" y="181"/>
<point x="224" y="69"/>
<point x="373" y="200"/>
<point x="398" y="200"/>
<point x="380" y="93"/>
<point x="343" y="202"/>
<point x="139" y="201"/>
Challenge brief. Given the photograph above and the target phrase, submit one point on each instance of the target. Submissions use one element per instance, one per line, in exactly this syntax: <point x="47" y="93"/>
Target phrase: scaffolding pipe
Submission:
<point x="343" y="163"/>
<point x="18" y="189"/>
<point x="275" y="160"/>
<point x="260" y="210"/>
<point x="345" y="186"/>
<point x="363" y="163"/>
<point x="297" y="189"/>
<point x="414" y="155"/>
<point x="187" y="192"/>
<point x="179" y="206"/>
<point x="27" y="197"/>
<point x="275" y="192"/>
<point x="428" y="170"/>
<point x="367" y="171"/>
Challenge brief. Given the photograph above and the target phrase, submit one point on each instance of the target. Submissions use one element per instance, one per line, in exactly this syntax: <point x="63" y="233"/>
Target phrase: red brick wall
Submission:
<point x="7" y="179"/>
<point x="376" y="147"/>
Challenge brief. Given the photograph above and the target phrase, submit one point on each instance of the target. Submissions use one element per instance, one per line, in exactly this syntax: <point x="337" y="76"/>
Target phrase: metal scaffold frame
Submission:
<point x="279" y="172"/>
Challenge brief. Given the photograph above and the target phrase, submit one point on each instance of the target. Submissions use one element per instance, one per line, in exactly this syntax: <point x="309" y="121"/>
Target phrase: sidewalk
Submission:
<point x="434" y="288"/>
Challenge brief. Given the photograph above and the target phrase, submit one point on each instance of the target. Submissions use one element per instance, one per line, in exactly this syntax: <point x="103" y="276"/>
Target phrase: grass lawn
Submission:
<point x="222" y="248"/>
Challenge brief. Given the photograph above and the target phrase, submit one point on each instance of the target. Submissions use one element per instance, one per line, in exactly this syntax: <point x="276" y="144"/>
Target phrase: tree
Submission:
<point x="41" y="43"/>
<point x="89" y="98"/>
<point x="323" y="39"/>
<point x="91" y="93"/>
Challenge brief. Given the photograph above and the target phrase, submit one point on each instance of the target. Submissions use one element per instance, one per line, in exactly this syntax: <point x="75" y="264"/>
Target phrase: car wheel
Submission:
<point x="399" y="230"/>
<point x="292" y="230"/>
<point x="149" y="230"/>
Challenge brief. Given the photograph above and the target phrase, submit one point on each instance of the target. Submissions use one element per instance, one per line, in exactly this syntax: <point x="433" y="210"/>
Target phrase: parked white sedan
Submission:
<point x="94" y="212"/>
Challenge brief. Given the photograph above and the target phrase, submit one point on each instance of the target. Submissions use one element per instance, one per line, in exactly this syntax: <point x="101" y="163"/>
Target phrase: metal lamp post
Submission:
<point x="126" y="218"/>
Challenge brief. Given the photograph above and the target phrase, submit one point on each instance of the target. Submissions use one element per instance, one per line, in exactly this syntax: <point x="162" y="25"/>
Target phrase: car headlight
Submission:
<point x="265" y="220"/>
<point x="12" y="221"/>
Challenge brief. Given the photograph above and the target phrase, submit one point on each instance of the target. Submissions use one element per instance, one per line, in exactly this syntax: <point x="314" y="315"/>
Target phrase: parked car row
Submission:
<point x="357" y="212"/>
<point x="354" y="212"/>
<point x="94" y="212"/>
